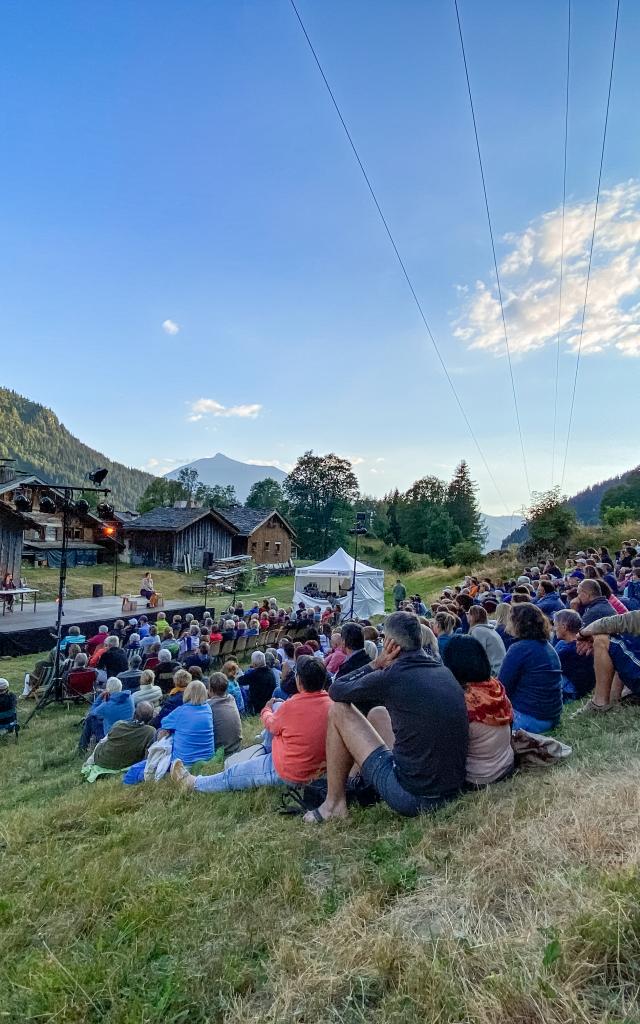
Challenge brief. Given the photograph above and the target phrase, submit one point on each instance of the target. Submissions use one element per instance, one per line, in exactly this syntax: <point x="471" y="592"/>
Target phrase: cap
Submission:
<point x="4" y="685"/>
<point x="133" y="622"/>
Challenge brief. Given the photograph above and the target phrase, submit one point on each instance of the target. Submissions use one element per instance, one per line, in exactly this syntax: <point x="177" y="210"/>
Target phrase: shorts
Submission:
<point x="379" y="771"/>
<point x="624" y="652"/>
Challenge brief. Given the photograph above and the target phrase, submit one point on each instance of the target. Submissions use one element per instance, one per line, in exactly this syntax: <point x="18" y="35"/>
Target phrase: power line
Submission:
<point x="493" y="250"/>
<point x="564" y="201"/>
<point x="398" y="256"/>
<point x="593" y="236"/>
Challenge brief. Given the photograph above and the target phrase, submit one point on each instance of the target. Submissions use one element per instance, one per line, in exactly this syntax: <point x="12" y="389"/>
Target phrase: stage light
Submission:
<point x="46" y="503"/>
<point x="82" y="506"/>
<point x="109" y="530"/>
<point x="98" y="476"/>
<point x="21" y="502"/>
<point x="105" y="510"/>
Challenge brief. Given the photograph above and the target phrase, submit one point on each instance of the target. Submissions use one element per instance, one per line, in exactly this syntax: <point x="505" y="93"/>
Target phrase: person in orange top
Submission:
<point x="298" y="731"/>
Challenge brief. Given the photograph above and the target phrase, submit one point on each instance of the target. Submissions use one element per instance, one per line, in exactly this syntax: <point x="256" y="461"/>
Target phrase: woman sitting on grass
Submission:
<point x="181" y="680"/>
<point x="490" y="754"/>
<point x="531" y="673"/>
<point x="231" y="670"/>
<point x="191" y="726"/>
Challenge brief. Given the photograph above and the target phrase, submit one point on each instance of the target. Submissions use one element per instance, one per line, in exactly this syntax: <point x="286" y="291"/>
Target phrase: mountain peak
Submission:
<point x="221" y="470"/>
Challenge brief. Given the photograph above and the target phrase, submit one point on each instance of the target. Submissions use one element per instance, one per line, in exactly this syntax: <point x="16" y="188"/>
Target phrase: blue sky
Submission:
<point x="181" y="164"/>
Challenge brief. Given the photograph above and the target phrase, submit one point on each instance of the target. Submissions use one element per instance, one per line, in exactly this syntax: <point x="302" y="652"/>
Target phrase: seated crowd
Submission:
<point x="416" y="710"/>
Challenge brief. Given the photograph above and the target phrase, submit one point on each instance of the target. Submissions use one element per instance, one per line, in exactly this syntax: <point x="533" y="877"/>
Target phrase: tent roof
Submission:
<point x="338" y="564"/>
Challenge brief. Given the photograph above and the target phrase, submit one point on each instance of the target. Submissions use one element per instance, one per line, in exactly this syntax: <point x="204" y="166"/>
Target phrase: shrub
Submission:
<point x="466" y="553"/>
<point x="618" y="514"/>
<point x="401" y="559"/>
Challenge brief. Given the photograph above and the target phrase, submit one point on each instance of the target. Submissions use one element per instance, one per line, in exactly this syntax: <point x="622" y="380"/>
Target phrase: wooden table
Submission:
<point x="18" y="592"/>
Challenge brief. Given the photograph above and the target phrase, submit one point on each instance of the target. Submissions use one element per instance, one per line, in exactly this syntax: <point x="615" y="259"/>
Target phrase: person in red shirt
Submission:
<point x="97" y="640"/>
<point x="298" y="731"/>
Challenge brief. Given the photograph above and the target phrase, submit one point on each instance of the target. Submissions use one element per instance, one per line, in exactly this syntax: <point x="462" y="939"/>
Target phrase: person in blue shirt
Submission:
<point x="548" y="599"/>
<point x="578" y="675"/>
<point x="531" y="672"/>
<point x="191" y="726"/>
<point x="113" y="705"/>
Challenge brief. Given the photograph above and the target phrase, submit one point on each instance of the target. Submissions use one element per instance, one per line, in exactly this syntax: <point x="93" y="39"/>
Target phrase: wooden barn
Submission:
<point x="12" y="527"/>
<point x="262" y="533"/>
<point x="164" y="536"/>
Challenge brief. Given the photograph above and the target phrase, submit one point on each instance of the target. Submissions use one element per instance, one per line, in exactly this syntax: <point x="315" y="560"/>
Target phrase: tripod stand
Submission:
<point x="54" y="693"/>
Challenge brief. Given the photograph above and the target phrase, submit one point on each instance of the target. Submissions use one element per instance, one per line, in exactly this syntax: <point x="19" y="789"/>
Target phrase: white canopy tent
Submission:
<point x="334" y="577"/>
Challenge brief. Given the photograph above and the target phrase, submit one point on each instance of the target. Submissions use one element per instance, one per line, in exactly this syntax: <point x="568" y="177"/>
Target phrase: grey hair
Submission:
<point x="112" y="641"/>
<point x="405" y="629"/>
<point x="144" y="711"/>
<point x="269" y="659"/>
<point x="229" y="624"/>
<point x="568" y="618"/>
<point x="429" y="641"/>
<point x="80" y="661"/>
<point x="371" y="649"/>
<point x="590" y="587"/>
<point x="134" y="638"/>
<point x="164" y="654"/>
<point x="258" y="659"/>
<point x="113" y="685"/>
<point x="103" y="629"/>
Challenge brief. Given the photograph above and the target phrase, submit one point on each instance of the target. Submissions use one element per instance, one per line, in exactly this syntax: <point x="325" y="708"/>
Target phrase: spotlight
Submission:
<point x="105" y="510"/>
<point x="98" y="476"/>
<point x="47" y="504"/>
<point x="22" y="503"/>
<point x="82" y="506"/>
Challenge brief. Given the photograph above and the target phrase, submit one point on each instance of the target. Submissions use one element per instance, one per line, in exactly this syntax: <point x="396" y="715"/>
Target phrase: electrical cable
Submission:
<point x="593" y="236"/>
<point x="398" y="256"/>
<point x="564" y="202"/>
<point x="493" y="250"/>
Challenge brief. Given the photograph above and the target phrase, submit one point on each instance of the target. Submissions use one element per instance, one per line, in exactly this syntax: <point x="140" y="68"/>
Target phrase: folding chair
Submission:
<point x="241" y="645"/>
<point x="227" y="648"/>
<point x="252" y="643"/>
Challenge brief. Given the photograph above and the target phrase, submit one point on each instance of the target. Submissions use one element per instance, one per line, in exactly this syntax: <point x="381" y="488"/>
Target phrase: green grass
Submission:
<point x="147" y="906"/>
<point x="171" y="584"/>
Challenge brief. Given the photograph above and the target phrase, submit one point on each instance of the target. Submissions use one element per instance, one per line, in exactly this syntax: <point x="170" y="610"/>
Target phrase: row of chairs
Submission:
<point x="245" y="645"/>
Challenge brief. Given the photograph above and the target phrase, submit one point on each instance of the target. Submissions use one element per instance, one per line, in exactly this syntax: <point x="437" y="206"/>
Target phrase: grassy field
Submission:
<point x="133" y="906"/>
<point x="171" y="584"/>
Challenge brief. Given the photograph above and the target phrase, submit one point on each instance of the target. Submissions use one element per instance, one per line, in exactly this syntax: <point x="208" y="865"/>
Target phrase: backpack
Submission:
<point x="300" y="799"/>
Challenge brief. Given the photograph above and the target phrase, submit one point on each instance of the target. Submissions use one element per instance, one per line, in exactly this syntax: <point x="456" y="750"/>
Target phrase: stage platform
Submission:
<point x="26" y="632"/>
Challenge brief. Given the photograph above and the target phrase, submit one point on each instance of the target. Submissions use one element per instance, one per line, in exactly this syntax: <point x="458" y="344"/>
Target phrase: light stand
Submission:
<point x="61" y="494"/>
<point x="359" y="530"/>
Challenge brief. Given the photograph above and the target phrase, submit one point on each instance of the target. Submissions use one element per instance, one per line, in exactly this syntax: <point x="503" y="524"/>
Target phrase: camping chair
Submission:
<point x="241" y="645"/>
<point x="79" y="684"/>
<point x="227" y="648"/>
<point x="252" y="643"/>
<point x="9" y="723"/>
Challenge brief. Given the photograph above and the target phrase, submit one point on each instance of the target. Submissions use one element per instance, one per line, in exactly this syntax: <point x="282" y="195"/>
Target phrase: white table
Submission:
<point x="18" y="592"/>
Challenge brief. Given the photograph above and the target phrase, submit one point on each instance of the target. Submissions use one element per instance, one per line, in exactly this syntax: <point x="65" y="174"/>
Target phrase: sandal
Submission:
<point x="591" y="708"/>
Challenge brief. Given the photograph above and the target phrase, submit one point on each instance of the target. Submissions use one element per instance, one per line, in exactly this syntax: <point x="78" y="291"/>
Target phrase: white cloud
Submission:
<point x="286" y="467"/>
<point x="530" y="282"/>
<point x="209" y="407"/>
<point x="160" y="466"/>
<point x="170" y="327"/>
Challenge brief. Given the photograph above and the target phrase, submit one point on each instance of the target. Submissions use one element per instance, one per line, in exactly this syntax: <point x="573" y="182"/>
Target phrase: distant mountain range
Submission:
<point x="498" y="527"/>
<point x="37" y="440"/>
<point x="220" y="469"/>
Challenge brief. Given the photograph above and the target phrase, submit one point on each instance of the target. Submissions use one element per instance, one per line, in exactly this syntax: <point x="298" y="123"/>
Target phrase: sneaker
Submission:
<point x="591" y="708"/>
<point x="180" y="775"/>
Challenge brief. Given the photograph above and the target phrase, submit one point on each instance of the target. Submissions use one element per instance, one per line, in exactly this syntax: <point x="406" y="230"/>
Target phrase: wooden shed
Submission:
<point x="164" y="536"/>
<point x="262" y="533"/>
<point x="12" y="527"/>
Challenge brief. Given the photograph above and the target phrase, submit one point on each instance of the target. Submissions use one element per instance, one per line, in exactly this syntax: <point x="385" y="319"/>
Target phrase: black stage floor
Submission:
<point x="26" y="632"/>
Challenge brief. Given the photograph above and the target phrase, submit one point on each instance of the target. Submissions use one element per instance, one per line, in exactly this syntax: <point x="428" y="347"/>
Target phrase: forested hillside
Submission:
<point x="34" y="436"/>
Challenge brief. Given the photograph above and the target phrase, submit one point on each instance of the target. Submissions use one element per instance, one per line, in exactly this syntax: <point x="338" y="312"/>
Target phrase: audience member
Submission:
<point x="227" y="727"/>
<point x="482" y="631"/>
<point x="490" y="754"/>
<point x="127" y="741"/>
<point x="531" y="673"/>
<point x="578" y="675"/>
<point x="147" y="690"/>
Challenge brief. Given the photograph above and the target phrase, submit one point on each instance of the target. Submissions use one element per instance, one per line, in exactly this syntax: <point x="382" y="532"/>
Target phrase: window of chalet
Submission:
<point x="254" y="545"/>
<point x="266" y="545"/>
<point x="277" y="546"/>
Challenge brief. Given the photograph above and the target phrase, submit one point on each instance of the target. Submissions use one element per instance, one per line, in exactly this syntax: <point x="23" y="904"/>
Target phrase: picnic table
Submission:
<point x="19" y="592"/>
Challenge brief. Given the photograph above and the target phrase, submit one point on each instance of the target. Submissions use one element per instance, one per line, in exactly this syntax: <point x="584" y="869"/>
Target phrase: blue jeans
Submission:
<point x="92" y="726"/>
<point x="531" y="724"/>
<point x="258" y="771"/>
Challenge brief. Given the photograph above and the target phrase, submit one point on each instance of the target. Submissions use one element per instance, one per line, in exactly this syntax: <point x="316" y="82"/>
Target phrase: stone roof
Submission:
<point x="247" y="520"/>
<point x="175" y="519"/>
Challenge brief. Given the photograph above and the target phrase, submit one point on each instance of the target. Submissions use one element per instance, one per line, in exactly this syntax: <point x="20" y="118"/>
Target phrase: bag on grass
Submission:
<point x="300" y="799"/>
<point x="533" y="750"/>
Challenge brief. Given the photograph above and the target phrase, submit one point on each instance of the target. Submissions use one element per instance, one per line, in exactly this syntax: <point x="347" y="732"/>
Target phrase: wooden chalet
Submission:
<point x="86" y="541"/>
<point x="164" y="537"/>
<point x="12" y="527"/>
<point x="262" y="533"/>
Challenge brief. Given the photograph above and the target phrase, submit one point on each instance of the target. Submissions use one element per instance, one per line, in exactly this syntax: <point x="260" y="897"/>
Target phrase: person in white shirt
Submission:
<point x="148" y="690"/>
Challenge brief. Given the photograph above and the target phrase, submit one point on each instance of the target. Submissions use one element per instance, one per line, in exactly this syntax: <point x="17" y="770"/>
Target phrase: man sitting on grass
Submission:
<point x="127" y="742"/>
<point x="616" y="658"/>
<point x="298" y="728"/>
<point x="412" y="747"/>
